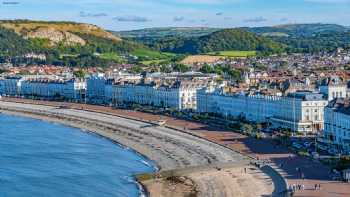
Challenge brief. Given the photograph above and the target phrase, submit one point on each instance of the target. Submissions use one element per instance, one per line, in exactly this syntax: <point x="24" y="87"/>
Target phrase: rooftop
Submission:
<point x="306" y="95"/>
<point x="340" y="105"/>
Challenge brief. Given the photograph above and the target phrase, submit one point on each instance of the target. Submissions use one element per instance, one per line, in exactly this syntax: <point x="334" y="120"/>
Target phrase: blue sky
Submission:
<point x="136" y="14"/>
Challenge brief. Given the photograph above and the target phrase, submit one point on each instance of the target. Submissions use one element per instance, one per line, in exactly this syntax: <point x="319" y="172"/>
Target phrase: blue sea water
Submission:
<point x="38" y="158"/>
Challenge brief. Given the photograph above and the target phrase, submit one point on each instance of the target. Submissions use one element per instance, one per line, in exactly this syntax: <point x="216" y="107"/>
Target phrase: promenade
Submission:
<point x="314" y="172"/>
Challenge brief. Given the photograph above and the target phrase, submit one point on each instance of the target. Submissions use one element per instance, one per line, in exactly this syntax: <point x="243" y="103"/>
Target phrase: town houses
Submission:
<point x="299" y="111"/>
<point x="333" y="88"/>
<point x="59" y="89"/>
<point x="43" y="87"/>
<point x="336" y="135"/>
<point x="95" y="91"/>
<point x="295" y="103"/>
<point x="177" y="91"/>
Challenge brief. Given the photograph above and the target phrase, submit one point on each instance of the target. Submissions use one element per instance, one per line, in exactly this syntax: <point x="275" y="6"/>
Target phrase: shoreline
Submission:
<point x="169" y="149"/>
<point x="85" y="130"/>
<point x="141" y="187"/>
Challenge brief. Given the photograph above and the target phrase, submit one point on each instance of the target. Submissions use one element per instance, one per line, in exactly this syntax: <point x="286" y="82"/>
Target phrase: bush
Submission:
<point x="247" y="128"/>
<point x="343" y="163"/>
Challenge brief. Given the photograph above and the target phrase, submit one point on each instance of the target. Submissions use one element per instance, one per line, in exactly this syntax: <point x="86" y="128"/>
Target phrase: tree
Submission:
<point x="247" y="128"/>
<point x="79" y="74"/>
<point x="181" y="68"/>
<point x="136" y="70"/>
<point x="206" y="68"/>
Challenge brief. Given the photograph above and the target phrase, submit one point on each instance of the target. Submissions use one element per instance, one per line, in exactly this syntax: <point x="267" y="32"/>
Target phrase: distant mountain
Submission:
<point x="162" y="32"/>
<point x="298" y="30"/>
<point x="307" y="38"/>
<point x="221" y="40"/>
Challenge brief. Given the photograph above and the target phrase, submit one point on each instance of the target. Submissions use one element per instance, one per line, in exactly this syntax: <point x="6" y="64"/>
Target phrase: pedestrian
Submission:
<point x="319" y="186"/>
<point x="315" y="186"/>
<point x="303" y="187"/>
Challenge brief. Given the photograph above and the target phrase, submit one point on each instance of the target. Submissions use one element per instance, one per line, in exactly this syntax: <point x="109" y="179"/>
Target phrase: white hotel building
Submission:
<point x="336" y="135"/>
<point x="95" y="92"/>
<point x="12" y="85"/>
<point x="300" y="111"/>
<point x="2" y="86"/>
<point x="69" y="90"/>
<point x="43" y="87"/>
<point x="179" y="95"/>
<point x="333" y="87"/>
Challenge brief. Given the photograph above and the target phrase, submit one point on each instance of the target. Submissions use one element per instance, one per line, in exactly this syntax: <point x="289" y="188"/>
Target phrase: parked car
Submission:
<point x="307" y="144"/>
<point x="296" y="145"/>
<point x="332" y="151"/>
<point x="315" y="155"/>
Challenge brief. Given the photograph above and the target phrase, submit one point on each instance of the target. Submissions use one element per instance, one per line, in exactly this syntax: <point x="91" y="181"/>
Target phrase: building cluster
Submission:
<point x="299" y="111"/>
<point x="336" y="135"/>
<point x="308" y="107"/>
<point x="43" y="87"/>
<point x="175" y="90"/>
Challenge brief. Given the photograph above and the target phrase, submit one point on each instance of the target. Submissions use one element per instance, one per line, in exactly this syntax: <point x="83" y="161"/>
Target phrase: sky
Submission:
<point x="137" y="14"/>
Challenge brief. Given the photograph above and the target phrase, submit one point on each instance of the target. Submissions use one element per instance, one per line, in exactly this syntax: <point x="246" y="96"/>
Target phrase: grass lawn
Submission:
<point x="111" y="56"/>
<point x="234" y="53"/>
<point x="151" y="55"/>
<point x="149" y="62"/>
<point x="68" y="55"/>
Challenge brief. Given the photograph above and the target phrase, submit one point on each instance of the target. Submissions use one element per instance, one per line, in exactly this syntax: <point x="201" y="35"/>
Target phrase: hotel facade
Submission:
<point x="336" y="135"/>
<point x="299" y="112"/>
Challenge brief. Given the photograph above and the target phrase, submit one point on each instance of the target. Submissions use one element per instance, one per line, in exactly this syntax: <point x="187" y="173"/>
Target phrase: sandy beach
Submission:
<point x="170" y="148"/>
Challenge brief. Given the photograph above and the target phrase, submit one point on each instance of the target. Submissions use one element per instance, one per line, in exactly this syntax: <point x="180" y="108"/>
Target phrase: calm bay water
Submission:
<point x="45" y="159"/>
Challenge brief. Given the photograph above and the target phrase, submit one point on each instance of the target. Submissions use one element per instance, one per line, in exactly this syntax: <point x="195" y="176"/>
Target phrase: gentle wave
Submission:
<point x="46" y="159"/>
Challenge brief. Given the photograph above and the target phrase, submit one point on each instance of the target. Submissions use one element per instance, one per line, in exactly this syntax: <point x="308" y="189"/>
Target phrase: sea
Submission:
<point x="42" y="159"/>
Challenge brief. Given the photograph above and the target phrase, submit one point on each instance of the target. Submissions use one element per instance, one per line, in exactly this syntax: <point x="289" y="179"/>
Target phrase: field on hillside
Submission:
<point x="147" y="56"/>
<point x="234" y="53"/>
<point x="111" y="56"/>
<point x="192" y="59"/>
<point x="151" y="62"/>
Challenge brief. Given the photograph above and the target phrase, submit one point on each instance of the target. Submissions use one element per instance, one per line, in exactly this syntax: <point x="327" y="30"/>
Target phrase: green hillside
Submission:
<point x="307" y="38"/>
<point x="65" y="43"/>
<point x="223" y="40"/>
<point x="297" y="30"/>
<point x="152" y="34"/>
